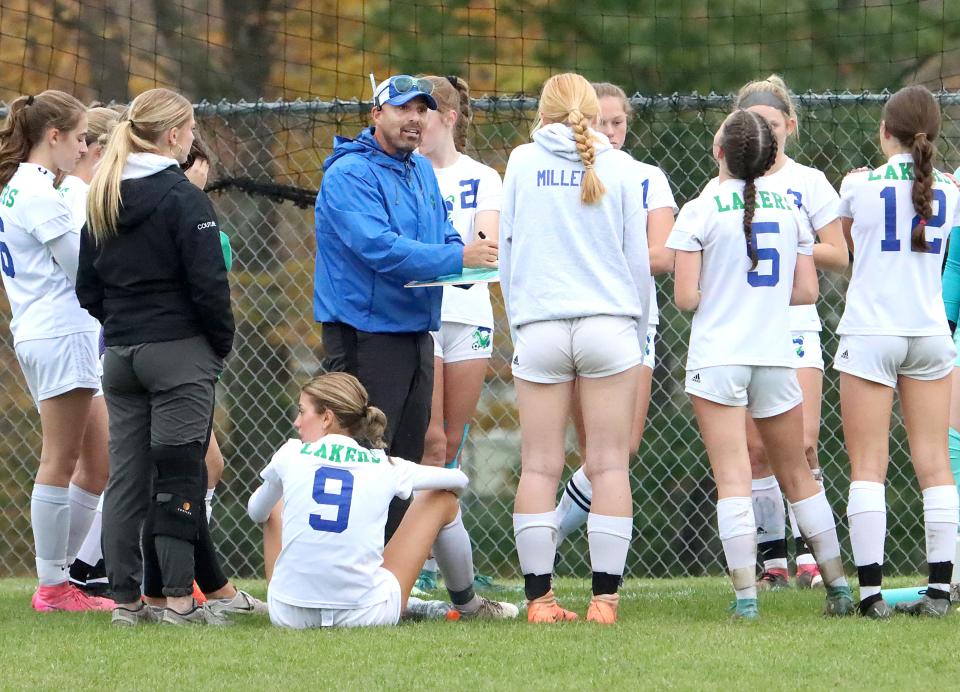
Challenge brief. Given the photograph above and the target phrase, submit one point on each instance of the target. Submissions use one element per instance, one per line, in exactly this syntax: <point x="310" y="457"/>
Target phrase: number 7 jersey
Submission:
<point x="743" y="316"/>
<point x="895" y="290"/>
<point x="336" y="494"/>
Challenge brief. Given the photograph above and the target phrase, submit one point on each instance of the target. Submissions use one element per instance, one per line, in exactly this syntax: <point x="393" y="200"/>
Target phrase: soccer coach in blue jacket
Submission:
<point x="380" y="223"/>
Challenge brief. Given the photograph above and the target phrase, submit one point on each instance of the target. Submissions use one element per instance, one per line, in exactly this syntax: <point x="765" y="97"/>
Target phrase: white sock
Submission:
<point x="768" y="512"/>
<point x="814" y="519"/>
<point x="454" y="555"/>
<point x="738" y="533"/>
<point x="208" y="499"/>
<point x="609" y="539"/>
<point x="430" y="565"/>
<point x="83" y="508"/>
<point x="50" y="517"/>
<point x="940" y="517"/>
<point x="955" y="579"/>
<point x="574" y="504"/>
<point x="867" y="517"/>
<point x="803" y="558"/>
<point x="536" y="537"/>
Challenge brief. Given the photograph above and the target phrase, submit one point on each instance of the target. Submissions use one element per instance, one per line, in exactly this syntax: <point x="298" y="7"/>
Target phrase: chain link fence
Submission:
<point x="264" y="151"/>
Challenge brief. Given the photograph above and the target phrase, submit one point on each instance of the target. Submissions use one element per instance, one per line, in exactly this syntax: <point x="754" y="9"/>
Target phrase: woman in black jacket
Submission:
<point x="152" y="271"/>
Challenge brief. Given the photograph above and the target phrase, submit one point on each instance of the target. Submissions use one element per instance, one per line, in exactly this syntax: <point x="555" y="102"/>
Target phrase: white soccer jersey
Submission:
<point x="813" y="194"/>
<point x="894" y="289"/>
<point x="468" y="187"/>
<point x="336" y="494"/>
<point x="656" y="195"/>
<point x="742" y="318"/>
<point x="42" y="299"/>
<point x="75" y="192"/>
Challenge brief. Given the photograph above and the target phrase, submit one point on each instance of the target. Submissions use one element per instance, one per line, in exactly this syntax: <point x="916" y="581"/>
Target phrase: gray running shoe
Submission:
<point x="124" y="617"/>
<point x="878" y="610"/>
<point x="241" y="604"/>
<point x="773" y="580"/>
<point x="492" y="610"/>
<point x="198" y="615"/>
<point x="925" y="607"/>
<point x="839" y="601"/>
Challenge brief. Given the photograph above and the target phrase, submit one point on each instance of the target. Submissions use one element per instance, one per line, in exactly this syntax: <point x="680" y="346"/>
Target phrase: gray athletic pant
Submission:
<point x="158" y="395"/>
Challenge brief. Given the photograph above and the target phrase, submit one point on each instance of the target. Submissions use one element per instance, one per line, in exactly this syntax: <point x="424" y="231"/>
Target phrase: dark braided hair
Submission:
<point x="912" y="115"/>
<point x="749" y="149"/>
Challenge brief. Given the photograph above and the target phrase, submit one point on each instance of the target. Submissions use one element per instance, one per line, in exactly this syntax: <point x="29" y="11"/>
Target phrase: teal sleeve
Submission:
<point x="951" y="276"/>
<point x="227" y="251"/>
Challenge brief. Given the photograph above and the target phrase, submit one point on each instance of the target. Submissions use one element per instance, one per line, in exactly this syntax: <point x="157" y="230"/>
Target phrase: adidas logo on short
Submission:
<point x="516" y="360"/>
<point x="696" y="378"/>
<point x="845" y="355"/>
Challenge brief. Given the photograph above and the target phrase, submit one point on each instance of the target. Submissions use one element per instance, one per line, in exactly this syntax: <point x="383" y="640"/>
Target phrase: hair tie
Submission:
<point x="920" y="134"/>
<point x="30" y="100"/>
<point x="453" y="81"/>
<point x="921" y="223"/>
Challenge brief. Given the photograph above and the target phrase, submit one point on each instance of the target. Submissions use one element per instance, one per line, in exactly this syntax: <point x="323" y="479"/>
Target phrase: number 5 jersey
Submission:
<point x="895" y="290"/>
<point x="743" y="317"/>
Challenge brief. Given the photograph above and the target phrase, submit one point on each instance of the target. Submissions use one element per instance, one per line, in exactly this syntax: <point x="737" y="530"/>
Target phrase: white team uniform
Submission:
<point x="55" y="339"/>
<point x="656" y="195"/>
<point x="894" y="321"/>
<point x="75" y="192"/>
<point x="809" y="189"/>
<point x="466" y="315"/>
<point x="740" y="352"/>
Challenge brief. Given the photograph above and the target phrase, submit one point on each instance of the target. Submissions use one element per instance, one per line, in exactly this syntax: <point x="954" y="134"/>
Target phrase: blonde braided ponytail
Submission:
<point x="591" y="189"/>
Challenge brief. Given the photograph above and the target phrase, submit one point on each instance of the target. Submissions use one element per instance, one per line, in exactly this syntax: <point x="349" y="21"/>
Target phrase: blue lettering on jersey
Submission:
<point x="561" y="178"/>
<point x="797" y="196"/>
<point x="468" y="197"/>
<point x="340" y="500"/>
<point x="6" y="259"/>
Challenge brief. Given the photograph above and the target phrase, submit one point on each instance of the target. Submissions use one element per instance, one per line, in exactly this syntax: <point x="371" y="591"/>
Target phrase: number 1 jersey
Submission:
<point x="336" y="495"/>
<point x="743" y="316"/>
<point x="895" y="290"/>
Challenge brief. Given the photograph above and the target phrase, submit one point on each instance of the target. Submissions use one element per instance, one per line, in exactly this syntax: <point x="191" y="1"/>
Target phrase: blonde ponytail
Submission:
<point x="569" y="98"/>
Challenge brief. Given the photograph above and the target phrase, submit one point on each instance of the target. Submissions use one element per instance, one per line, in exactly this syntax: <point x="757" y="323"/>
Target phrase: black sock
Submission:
<point x="536" y="585"/>
<point x="604" y="583"/>
<point x="867" y="602"/>
<point x="772" y="550"/>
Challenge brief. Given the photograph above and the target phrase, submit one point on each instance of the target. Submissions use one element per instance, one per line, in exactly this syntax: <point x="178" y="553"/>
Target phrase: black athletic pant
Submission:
<point x="397" y="370"/>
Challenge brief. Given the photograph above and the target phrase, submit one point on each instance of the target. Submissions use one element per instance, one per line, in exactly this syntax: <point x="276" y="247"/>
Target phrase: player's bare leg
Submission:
<point x="608" y="406"/>
<point x="866" y="408"/>
<point x="723" y="431"/>
<point x="544" y="410"/>
<point x="925" y="405"/>
<point x="783" y="439"/>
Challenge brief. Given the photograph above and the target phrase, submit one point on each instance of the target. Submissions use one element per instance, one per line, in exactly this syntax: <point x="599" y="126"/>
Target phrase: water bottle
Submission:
<point x="418" y="609"/>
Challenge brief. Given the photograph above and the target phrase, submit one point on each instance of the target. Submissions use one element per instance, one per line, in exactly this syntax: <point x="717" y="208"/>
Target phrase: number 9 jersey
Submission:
<point x="336" y="494"/>
<point x="742" y="318"/>
<point x="895" y="290"/>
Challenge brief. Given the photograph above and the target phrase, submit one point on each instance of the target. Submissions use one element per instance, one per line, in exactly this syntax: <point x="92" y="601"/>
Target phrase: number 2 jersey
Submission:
<point x="336" y="495"/>
<point x="742" y="318"/>
<point x="895" y="290"/>
<point x="42" y="299"/>
<point x="468" y="187"/>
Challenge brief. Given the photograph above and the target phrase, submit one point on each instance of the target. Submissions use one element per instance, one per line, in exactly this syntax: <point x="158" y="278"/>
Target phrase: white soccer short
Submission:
<point x="555" y="351"/>
<point x="61" y="364"/>
<point x="806" y="347"/>
<point x="385" y="612"/>
<point x="766" y="391"/>
<point x="882" y="358"/>
<point x="455" y="342"/>
<point x="650" y="349"/>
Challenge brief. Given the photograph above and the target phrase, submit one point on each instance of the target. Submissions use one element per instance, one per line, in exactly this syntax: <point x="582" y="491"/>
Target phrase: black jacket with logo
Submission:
<point x="162" y="277"/>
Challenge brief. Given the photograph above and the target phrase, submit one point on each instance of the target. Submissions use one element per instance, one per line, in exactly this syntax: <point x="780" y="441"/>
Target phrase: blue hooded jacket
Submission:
<point x="380" y="223"/>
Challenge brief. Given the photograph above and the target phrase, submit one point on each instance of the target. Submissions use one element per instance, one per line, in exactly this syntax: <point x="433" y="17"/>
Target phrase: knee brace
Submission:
<point x="178" y="493"/>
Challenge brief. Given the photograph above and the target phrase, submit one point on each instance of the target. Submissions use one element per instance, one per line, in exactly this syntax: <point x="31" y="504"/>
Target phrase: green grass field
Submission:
<point x="672" y="634"/>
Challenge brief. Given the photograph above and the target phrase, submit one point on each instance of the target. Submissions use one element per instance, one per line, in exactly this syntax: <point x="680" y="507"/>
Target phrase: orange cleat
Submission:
<point x="546" y="609"/>
<point x="603" y="608"/>
<point x="198" y="595"/>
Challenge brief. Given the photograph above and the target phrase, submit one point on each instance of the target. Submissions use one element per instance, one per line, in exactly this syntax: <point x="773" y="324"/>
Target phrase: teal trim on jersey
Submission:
<point x="951" y="276"/>
<point x="227" y="251"/>
<point x="953" y="446"/>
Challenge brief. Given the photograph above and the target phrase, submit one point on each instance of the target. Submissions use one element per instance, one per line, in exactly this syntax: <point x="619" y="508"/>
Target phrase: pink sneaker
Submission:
<point x="67" y="598"/>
